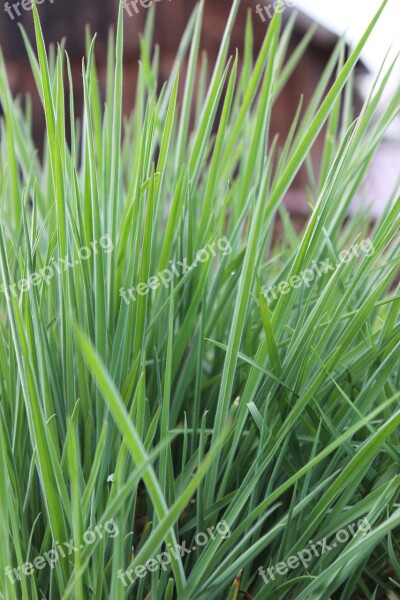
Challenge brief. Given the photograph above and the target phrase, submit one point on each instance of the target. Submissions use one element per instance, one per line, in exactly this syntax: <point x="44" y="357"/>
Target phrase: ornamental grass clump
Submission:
<point x="198" y="441"/>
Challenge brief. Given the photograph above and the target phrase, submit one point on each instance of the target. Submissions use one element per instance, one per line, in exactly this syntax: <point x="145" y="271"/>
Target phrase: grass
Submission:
<point x="196" y="405"/>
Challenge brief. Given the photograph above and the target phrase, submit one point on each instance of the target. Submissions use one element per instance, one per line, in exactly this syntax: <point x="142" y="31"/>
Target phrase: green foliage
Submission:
<point x="196" y="402"/>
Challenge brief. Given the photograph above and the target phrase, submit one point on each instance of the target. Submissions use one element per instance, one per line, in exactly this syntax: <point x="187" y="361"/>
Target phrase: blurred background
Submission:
<point x="68" y="19"/>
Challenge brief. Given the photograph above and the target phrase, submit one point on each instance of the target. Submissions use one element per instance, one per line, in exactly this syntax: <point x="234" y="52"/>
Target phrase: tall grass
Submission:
<point x="198" y="403"/>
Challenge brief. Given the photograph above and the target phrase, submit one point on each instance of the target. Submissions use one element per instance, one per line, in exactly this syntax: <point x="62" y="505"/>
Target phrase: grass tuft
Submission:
<point x="155" y="394"/>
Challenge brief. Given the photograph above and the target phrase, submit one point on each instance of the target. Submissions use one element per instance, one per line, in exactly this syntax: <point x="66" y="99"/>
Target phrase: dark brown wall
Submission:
<point x="67" y="18"/>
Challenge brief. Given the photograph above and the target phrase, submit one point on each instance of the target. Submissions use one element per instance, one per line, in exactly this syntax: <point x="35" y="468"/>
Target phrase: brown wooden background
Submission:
<point x="68" y="18"/>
